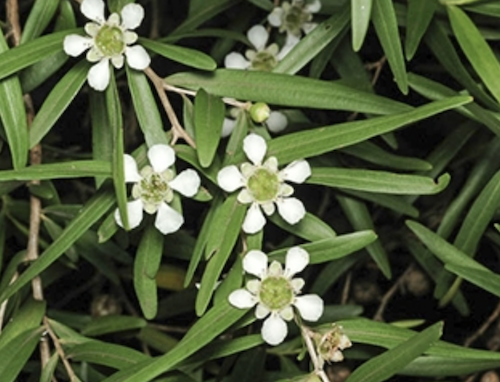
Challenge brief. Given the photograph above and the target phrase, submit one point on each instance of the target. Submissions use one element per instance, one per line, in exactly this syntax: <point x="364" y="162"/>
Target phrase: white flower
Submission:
<point x="109" y="40"/>
<point x="154" y="188"/>
<point x="276" y="292"/>
<point x="262" y="58"/>
<point x="264" y="186"/>
<point x="330" y="342"/>
<point x="275" y="123"/>
<point x="295" y="17"/>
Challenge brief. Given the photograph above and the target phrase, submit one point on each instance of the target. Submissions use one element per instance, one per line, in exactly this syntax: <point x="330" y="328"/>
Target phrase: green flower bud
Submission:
<point x="259" y="112"/>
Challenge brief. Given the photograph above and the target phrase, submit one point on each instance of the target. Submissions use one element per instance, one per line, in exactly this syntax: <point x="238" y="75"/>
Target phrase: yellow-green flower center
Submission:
<point x="276" y="293"/>
<point x="264" y="61"/>
<point x="153" y="188"/>
<point x="263" y="185"/>
<point x="295" y="18"/>
<point x="109" y="40"/>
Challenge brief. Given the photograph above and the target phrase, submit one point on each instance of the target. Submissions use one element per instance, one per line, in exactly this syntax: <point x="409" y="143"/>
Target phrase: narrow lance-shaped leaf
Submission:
<point x="102" y="137"/>
<point x="208" y="118"/>
<point x="146" y="265"/>
<point x="40" y="15"/>
<point x="286" y="90"/>
<point x="419" y="16"/>
<point x="73" y="169"/>
<point x="146" y="108"/>
<point x="476" y="49"/>
<point x="360" y="18"/>
<point x="13" y="115"/>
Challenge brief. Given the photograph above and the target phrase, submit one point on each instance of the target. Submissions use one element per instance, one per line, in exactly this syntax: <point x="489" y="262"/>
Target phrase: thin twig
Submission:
<point x="493" y="316"/>
<point x="390" y="293"/>
<point x="55" y="340"/>
<point x="346" y="289"/>
<point x="227" y="100"/>
<point x="177" y="130"/>
<point x="317" y="361"/>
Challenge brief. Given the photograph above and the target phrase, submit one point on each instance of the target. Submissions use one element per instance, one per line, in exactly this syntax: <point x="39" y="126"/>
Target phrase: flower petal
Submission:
<point x="167" y="219"/>
<point x="274" y="330"/>
<point x="277" y="122"/>
<point x="287" y="313"/>
<point x="291" y="41"/>
<point x="130" y="168"/>
<point x="296" y="260"/>
<point x="310" y="306"/>
<point x="117" y="61"/>
<point x="291" y="209"/>
<point x="297" y="171"/>
<point x="187" y="183"/>
<point x="258" y="36"/>
<point x="98" y="75"/>
<point x="236" y="61"/>
<point x="309" y="27"/>
<point x="74" y="45"/>
<point x="245" y="197"/>
<point x="134" y="212"/>
<point x="275" y="18"/>
<point x="230" y="179"/>
<point x="255" y="263"/>
<point x="137" y="57"/>
<point x="228" y="127"/>
<point x="255" y="148"/>
<point x="313" y="6"/>
<point x="93" y="10"/>
<point x="242" y="299"/>
<point x="161" y="157"/>
<point x="132" y="16"/>
<point x="261" y="311"/>
<point x="254" y="219"/>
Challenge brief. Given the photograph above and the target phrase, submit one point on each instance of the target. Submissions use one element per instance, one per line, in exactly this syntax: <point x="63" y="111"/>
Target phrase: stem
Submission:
<point x="71" y="374"/>
<point x="315" y="359"/>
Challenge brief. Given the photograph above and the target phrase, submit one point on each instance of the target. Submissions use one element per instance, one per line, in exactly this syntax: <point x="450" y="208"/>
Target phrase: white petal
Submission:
<point x="255" y="263"/>
<point x="245" y="197"/>
<point x="92" y="29"/>
<point x="274" y="330"/>
<point x="130" y="168"/>
<point x="255" y="148"/>
<point x="310" y="306"/>
<point x="187" y="183"/>
<point x="230" y="179"/>
<point x="287" y="313"/>
<point x="242" y="299"/>
<point x="291" y="209"/>
<point x="313" y="6"/>
<point x="309" y="27"/>
<point x="117" y="61"/>
<point x="254" y="219"/>
<point x="132" y="15"/>
<point x="268" y="208"/>
<point x="275" y="18"/>
<point x="277" y="122"/>
<point x="296" y="260"/>
<point x="134" y="212"/>
<point x="161" y="157"/>
<point x="236" y="61"/>
<point x="227" y="127"/>
<point x="297" y="171"/>
<point x="167" y="219"/>
<point x="137" y="57"/>
<point x="98" y="75"/>
<point x="258" y="36"/>
<point x="74" y="45"/>
<point x="261" y="311"/>
<point x="291" y="41"/>
<point x="93" y="10"/>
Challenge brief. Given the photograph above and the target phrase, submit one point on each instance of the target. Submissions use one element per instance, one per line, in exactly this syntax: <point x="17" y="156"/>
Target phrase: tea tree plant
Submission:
<point x="261" y="190"/>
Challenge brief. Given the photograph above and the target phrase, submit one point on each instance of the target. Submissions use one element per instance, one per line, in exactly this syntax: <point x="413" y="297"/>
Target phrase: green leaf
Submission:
<point x="377" y="181"/>
<point x="476" y="49"/>
<point x="219" y="247"/>
<point x="386" y="26"/>
<point x="13" y="115"/>
<point x="185" y="56"/>
<point x="57" y="101"/>
<point x="93" y="210"/>
<point x="389" y="363"/>
<point x="27" y="54"/>
<point x="360" y="18"/>
<point x="146" y="108"/>
<point x="436" y="367"/>
<point x="418" y="18"/>
<point x="16" y="354"/>
<point x="102" y="138"/>
<point x="209" y="113"/>
<point x="395" y="203"/>
<point x="112" y="324"/>
<point x="334" y="248"/>
<point x="203" y="332"/>
<point x="40" y="15"/>
<point x="146" y="265"/>
<point x="102" y="353"/>
<point x="49" y="368"/>
<point x="73" y="169"/>
<point x="286" y="90"/>
<point x="313" y="43"/>
<point x="310" y="227"/>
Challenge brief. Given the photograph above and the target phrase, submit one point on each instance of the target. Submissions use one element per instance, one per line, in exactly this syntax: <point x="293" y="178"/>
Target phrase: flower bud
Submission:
<point x="259" y="112"/>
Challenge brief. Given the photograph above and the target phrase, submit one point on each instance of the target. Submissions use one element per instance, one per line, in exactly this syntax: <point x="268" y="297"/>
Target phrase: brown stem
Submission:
<point x="71" y="374"/>
<point x="311" y="349"/>
<point x="493" y="316"/>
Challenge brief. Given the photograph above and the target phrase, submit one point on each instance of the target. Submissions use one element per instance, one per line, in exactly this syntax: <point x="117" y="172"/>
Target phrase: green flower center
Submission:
<point x="153" y="189"/>
<point x="109" y="40"/>
<point x="263" y="185"/>
<point x="295" y="18"/>
<point x="276" y="293"/>
<point x="264" y="61"/>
